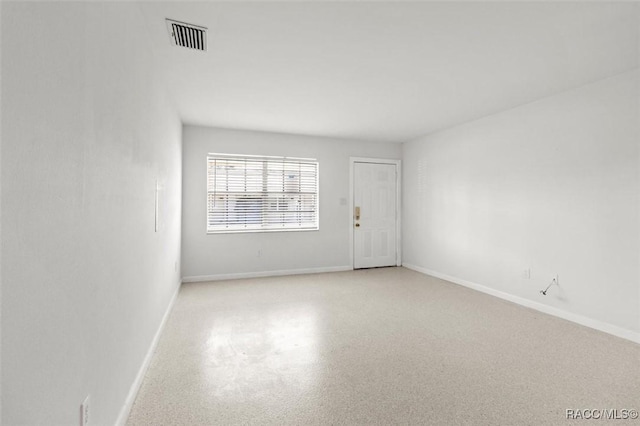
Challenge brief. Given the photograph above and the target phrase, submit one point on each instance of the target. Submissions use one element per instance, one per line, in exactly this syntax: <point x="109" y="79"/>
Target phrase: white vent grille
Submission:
<point x="187" y="35"/>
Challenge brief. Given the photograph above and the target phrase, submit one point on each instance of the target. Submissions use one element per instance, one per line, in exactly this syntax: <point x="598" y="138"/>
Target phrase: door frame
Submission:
<point x="398" y="164"/>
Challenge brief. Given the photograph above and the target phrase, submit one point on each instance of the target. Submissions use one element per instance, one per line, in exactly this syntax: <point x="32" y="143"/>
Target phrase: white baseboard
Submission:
<point x="241" y="275"/>
<point x="135" y="386"/>
<point x="550" y="310"/>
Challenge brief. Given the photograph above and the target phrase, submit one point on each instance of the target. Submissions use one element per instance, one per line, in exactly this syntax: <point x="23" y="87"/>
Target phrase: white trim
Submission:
<point x="261" y="157"/>
<point x="398" y="164"/>
<point x="241" y="275"/>
<point x="351" y="212"/>
<point x="135" y="386"/>
<point x="250" y="231"/>
<point x="550" y="310"/>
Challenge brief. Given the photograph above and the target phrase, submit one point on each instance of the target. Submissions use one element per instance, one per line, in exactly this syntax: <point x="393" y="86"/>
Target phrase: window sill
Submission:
<point x="252" y="231"/>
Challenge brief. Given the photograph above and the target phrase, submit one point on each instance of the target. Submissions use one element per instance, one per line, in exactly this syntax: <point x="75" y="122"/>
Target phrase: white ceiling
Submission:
<point x="384" y="71"/>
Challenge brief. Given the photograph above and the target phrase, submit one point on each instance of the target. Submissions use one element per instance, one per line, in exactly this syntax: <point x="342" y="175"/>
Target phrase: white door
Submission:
<point x="374" y="216"/>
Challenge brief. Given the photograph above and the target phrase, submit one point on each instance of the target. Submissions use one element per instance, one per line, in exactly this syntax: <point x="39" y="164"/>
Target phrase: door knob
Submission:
<point x="357" y="225"/>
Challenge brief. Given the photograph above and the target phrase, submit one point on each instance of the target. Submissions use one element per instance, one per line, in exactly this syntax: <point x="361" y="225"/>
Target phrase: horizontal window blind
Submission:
<point x="261" y="194"/>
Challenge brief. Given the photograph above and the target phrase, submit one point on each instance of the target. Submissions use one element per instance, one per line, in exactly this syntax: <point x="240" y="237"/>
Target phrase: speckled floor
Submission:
<point x="381" y="346"/>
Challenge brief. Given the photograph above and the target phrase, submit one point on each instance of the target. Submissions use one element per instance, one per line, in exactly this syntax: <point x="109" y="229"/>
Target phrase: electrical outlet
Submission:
<point x="526" y="274"/>
<point x="259" y="253"/>
<point x="84" y="411"/>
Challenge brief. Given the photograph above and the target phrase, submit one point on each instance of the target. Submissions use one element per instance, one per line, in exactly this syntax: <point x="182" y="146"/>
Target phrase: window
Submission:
<point x="247" y="193"/>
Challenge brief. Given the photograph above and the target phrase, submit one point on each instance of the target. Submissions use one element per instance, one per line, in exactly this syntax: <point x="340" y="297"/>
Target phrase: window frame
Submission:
<point x="264" y="158"/>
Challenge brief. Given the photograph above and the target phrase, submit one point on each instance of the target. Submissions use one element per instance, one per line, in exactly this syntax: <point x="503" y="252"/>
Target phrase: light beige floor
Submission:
<point x="381" y="346"/>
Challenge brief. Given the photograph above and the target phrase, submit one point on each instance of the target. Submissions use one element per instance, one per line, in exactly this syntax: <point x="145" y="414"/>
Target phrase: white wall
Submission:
<point x="552" y="186"/>
<point x="86" y="131"/>
<point x="236" y="254"/>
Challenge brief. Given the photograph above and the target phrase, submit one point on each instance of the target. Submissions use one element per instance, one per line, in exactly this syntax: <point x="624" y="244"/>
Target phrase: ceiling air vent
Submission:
<point x="187" y="35"/>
